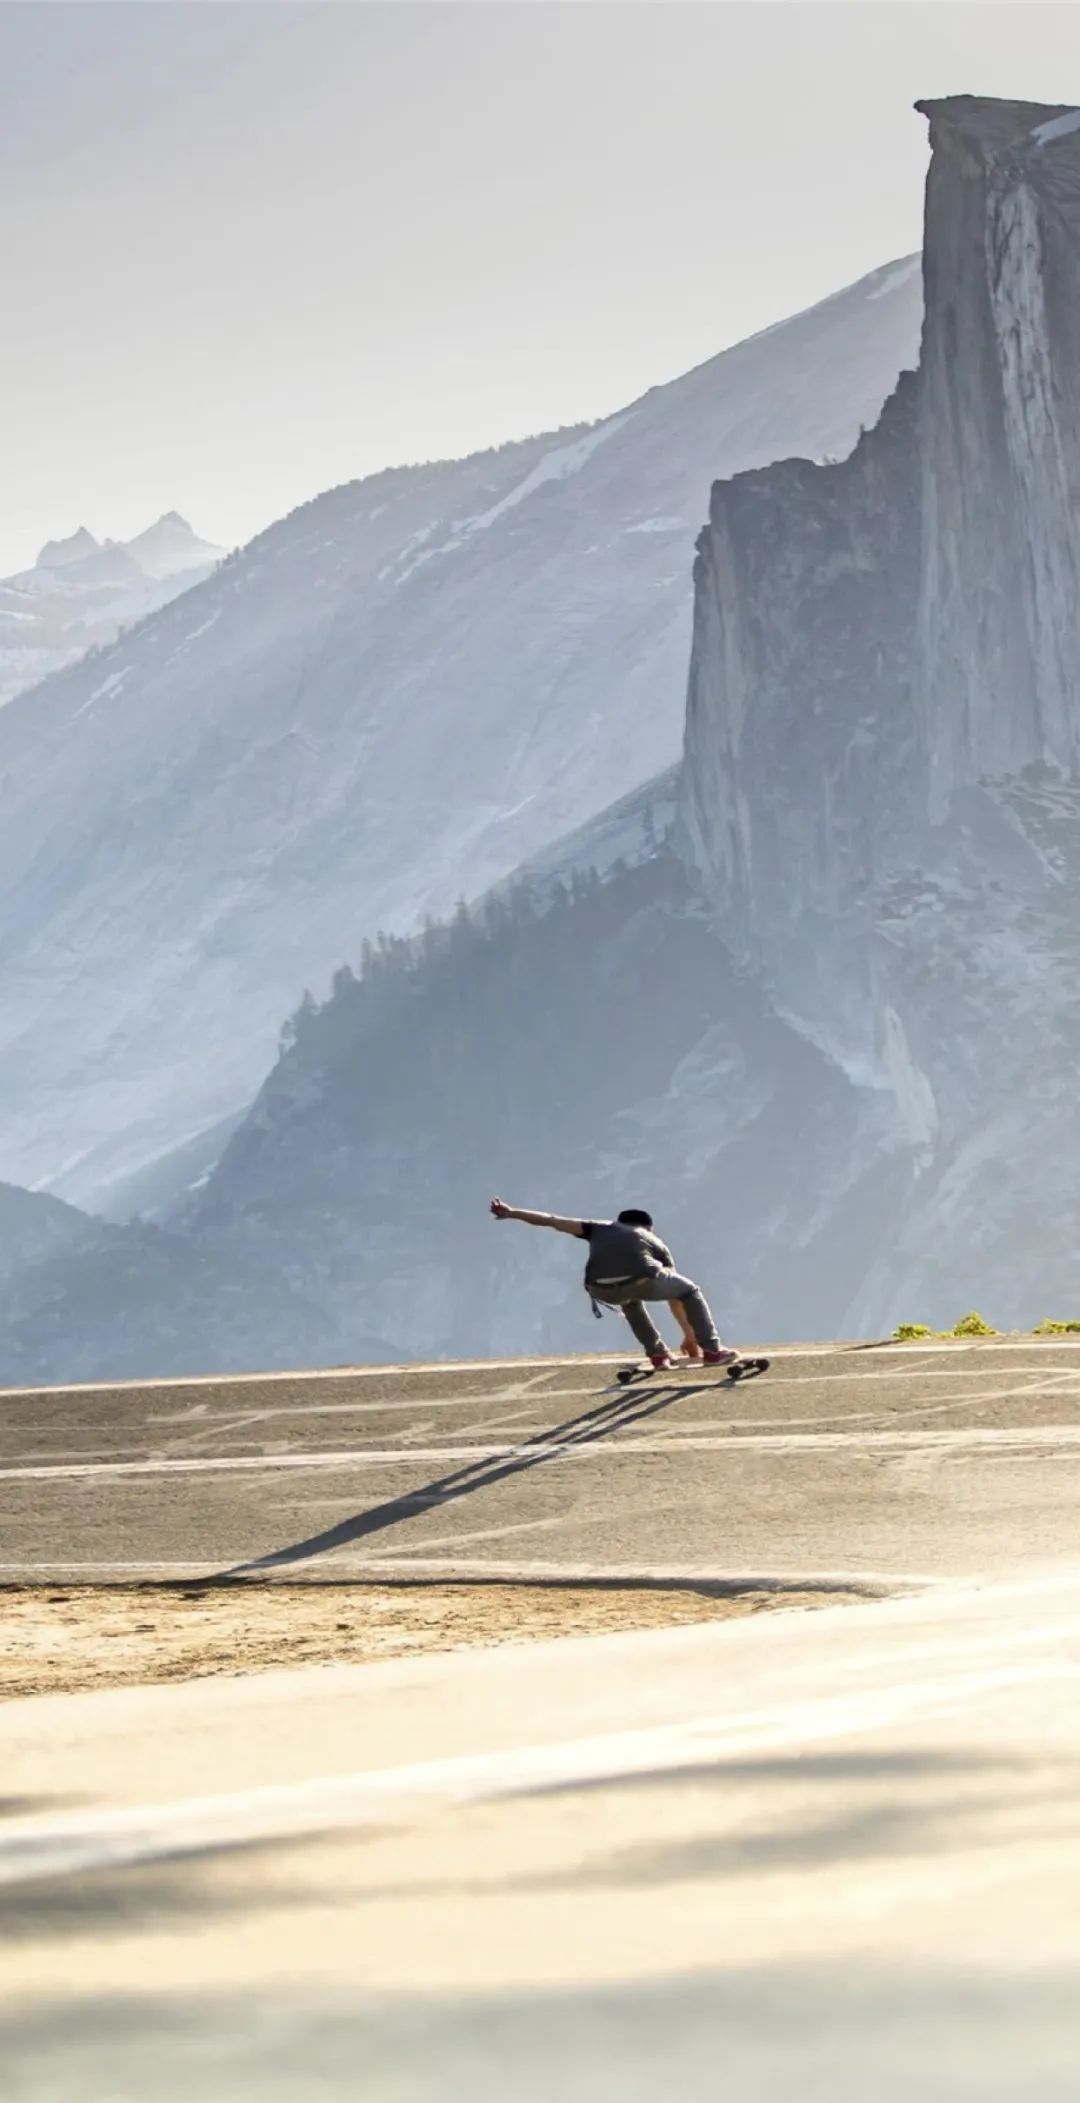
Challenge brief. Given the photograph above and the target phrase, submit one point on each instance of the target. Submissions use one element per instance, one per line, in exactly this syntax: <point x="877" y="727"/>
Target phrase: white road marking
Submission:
<point x="1040" y="1438"/>
<point x="907" y="1354"/>
<point x="474" y="1534"/>
<point x="1056" y="1384"/>
<point x="1049" y="1384"/>
<point x="500" y="1420"/>
<point x="449" y="1368"/>
<point x="211" y="1427"/>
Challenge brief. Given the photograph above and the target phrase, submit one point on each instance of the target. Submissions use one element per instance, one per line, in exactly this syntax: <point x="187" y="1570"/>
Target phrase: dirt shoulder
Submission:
<point x="65" y="1639"/>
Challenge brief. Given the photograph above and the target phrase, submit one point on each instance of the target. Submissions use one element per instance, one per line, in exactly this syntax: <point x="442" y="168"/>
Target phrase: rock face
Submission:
<point x="387" y="701"/>
<point x="996" y="672"/>
<point x="797" y="791"/>
<point x="880" y="794"/>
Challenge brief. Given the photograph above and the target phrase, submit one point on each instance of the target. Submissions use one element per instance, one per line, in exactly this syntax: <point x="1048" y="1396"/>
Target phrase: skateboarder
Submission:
<point x="629" y="1265"/>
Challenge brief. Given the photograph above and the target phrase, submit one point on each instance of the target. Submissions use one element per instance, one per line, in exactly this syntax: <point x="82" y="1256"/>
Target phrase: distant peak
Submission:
<point x="170" y="545"/>
<point x="170" y="522"/>
<point x="56" y="554"/>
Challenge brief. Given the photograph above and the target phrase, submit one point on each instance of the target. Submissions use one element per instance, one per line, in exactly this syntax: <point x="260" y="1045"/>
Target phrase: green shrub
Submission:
<point x="972" y="1325"/>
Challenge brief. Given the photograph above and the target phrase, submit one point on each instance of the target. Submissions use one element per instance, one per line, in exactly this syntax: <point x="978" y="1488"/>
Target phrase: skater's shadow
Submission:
<point x="593" y="1424"/>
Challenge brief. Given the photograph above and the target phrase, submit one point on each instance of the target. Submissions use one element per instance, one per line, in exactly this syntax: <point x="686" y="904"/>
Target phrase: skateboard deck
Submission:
<point x="740" y="1369"/>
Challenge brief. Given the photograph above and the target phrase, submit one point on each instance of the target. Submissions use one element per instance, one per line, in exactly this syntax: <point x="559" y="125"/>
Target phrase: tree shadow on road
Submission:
<point x="154" y="1895"/>
<point x="28" y="1806"/>
<point x="896" y="1805"/>
<point x="584" y="1430"/>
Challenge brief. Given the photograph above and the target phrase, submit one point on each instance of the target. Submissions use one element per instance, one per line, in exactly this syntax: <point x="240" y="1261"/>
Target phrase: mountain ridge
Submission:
<point x="389" y="699"/>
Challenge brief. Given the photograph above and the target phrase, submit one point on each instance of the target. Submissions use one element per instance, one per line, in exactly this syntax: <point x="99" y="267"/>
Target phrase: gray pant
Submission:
<point x="665" y="1285"/>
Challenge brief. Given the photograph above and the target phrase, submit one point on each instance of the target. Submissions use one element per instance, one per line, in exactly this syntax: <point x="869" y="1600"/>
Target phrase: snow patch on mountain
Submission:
<point x="1058" y="128"/>
<point x="111" y="685"/>
<point x="555" y="466"/>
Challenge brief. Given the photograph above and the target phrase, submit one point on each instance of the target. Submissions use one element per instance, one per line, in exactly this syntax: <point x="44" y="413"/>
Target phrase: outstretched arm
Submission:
<point x="537" y="1219"/>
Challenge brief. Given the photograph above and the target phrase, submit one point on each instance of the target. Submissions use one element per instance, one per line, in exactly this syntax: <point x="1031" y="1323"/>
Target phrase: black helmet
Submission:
<point x="632" y="1218"/>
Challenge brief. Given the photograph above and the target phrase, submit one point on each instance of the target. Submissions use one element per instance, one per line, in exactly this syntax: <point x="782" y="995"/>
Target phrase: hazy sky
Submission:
<point x="253" y="250"/>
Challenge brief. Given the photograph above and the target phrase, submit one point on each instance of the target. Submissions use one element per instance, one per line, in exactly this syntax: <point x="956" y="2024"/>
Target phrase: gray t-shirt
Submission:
<point x="618" y="1252"/>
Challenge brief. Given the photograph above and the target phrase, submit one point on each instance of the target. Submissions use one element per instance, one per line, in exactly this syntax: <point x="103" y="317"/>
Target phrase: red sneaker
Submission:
<point x="661" y="1360"/>
<point x="719" y="1357"/>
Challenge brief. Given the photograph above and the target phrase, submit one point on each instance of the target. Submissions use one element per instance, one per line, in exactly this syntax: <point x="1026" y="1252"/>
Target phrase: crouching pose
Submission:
<point x="629" y="1267"/>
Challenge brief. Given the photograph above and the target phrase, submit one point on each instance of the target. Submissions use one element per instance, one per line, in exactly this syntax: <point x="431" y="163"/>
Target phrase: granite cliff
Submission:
<point x="879" y="796"/>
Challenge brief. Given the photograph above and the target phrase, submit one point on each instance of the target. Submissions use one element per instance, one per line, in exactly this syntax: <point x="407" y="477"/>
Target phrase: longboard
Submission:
<point x="689" y="1368"/>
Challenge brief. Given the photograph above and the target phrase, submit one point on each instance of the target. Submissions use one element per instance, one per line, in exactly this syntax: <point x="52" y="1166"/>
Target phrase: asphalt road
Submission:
<point x="878" y="1463"/>
<point x="802" y="1858"/>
